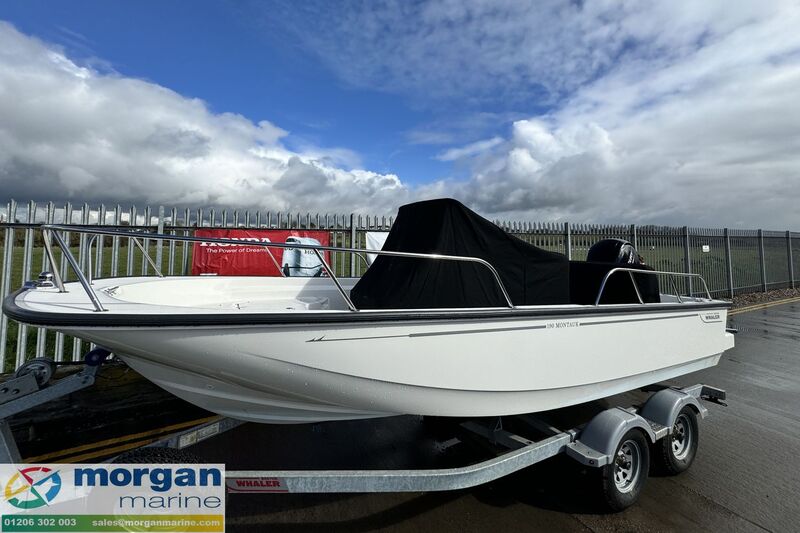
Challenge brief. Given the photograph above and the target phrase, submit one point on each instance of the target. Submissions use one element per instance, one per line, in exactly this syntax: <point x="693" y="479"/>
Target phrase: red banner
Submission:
<point x="237" y="260"/>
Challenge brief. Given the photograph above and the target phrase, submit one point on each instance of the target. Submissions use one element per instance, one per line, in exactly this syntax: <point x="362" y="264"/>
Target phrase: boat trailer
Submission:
<point x="620" y="442"/>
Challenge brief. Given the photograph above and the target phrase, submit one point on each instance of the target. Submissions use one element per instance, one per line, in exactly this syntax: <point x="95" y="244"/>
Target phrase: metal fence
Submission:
<point x="732" y="261"/>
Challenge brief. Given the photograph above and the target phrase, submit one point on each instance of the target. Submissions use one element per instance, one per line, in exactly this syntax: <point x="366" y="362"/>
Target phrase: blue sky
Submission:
<point x="677" y="112"/>
<point x="227" y="54"/>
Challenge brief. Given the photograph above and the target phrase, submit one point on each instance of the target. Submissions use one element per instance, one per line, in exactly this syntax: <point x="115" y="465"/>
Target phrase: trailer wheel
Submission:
<point x="157" y="455"/>
<point x="623" y="479"/>
<point x="675" y="453"/>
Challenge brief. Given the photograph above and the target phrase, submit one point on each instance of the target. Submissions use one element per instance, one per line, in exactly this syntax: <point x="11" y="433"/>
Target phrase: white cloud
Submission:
<point x="501" y="50"/>
<point x="69" y="132"/>
<point x="712" y="138"/>
<point x="655" y="112"/>
<point x="478" y="147"/>
<point x="459" y="129"/>
<point x="647" y="112"/>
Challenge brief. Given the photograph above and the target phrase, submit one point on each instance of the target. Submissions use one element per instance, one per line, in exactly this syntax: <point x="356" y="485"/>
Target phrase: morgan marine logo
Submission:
<point x="32" y="487"/>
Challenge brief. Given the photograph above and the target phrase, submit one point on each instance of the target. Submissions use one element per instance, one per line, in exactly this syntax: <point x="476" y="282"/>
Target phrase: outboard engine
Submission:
<point x="614" y="251"/>
<point x="299" y="261"/>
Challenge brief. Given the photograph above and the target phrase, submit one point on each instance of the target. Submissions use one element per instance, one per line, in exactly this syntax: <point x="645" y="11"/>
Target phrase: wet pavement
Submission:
<point x="746" y="476"/>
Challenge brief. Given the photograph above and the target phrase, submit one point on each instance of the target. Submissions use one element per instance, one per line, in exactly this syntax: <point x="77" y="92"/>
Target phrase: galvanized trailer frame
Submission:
<point x="594" y="443"/>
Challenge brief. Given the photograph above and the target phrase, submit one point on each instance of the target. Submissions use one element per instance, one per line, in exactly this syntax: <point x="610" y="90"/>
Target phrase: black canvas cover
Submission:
<point x="586" y="277"/>
<point x="531" y="276"/>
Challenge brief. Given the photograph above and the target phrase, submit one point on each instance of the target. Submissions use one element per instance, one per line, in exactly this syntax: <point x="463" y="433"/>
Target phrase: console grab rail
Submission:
<point x="632" y="271"/>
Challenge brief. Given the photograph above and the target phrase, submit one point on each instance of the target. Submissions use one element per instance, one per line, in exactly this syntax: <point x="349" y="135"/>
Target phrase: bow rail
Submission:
<point x="49" y="230"/>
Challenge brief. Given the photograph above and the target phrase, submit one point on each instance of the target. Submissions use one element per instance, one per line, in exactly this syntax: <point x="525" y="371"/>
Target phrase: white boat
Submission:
<point x="289" y="350"/>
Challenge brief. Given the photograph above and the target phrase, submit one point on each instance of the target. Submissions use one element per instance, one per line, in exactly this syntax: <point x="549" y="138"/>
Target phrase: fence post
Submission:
<point x="728" y="262"/>
<point x="568" y="240"/>
<point x="5" y="275"/>
<point x="687" y="260"/>
<point x="83" y="238"/>
<point x="159" y="242"/>
<point x="789" y="254"/>
<point x="634" y="237"/>
<point x="115" y="243"/>
<point x="352" y="244"/>
<point x="761" y="260"/>
<point x="27" y="260"/>
<point x="148" y="219"/>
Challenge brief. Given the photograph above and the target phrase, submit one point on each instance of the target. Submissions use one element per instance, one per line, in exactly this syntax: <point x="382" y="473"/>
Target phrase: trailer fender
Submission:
<point x="598" y="441"/>
<point x="663" y="407"/>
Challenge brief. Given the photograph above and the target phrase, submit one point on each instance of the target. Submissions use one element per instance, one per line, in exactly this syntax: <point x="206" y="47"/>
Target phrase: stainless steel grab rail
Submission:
<point x="139" y="245"/>
<point x="632" y="271"/>
<point x="86" y="284"/>
<point x="152" y="263"/>
<point x="75" y="267"/>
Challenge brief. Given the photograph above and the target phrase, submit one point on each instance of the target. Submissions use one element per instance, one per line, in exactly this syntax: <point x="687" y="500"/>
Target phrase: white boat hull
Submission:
<point x="306" y="373"/>
<point x="503" y="364"/>
<point x="261" y="404"/>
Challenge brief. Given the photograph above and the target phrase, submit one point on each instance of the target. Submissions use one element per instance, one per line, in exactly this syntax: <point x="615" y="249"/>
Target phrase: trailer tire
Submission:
<point x="157" y="455"/>
<point x="675" y="453"/>
<point x="623" y="479"/>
